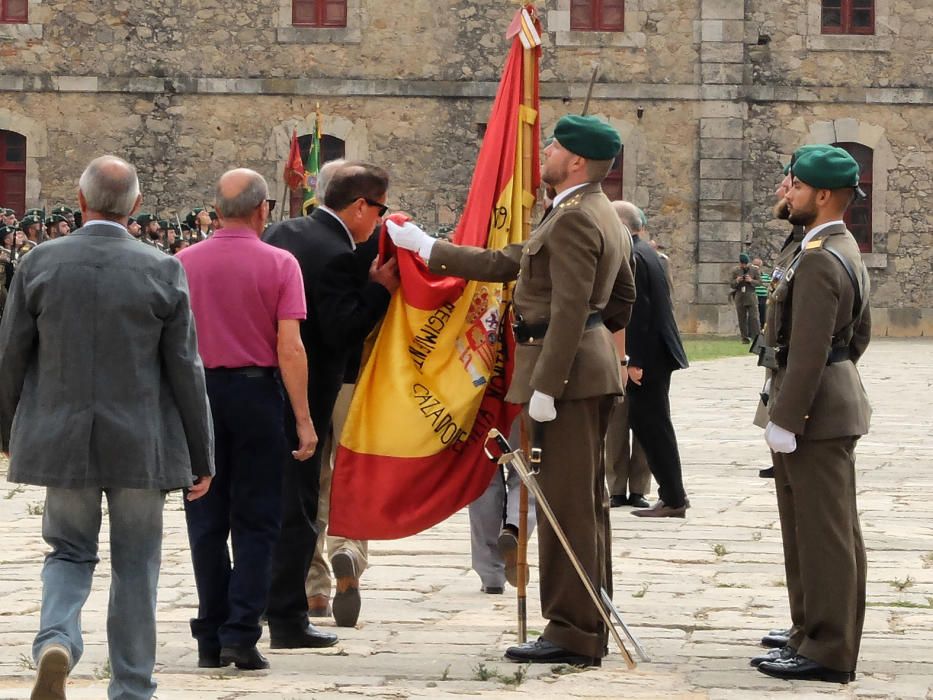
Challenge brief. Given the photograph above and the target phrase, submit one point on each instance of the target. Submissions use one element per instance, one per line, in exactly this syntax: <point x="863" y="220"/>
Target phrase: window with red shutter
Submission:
<point x="858" y="215"/>
<point x="597" y="15"/>
<point x="319" y="13"/>
<point x="13" y="171"/>
<point x="848" y="16"/>
<point x="14" y="11"/>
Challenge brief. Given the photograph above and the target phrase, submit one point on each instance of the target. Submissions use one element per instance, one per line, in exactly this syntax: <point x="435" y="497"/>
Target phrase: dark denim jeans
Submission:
<point x="244" y="503"/>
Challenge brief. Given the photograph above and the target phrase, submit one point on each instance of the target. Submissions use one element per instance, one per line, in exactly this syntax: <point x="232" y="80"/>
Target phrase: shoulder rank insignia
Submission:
<point x="574" y="200"/>
<point x="815" y="243"/>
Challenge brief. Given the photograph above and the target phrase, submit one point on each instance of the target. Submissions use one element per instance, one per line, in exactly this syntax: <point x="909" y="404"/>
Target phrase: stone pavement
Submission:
<point x="698" y="592"/>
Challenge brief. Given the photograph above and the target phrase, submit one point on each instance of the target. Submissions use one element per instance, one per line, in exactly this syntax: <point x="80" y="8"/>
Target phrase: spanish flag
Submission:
<point x="411" y="453"/>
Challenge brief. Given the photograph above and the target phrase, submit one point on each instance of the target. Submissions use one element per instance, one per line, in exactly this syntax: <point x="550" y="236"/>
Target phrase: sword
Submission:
<point x="520" y="463"/>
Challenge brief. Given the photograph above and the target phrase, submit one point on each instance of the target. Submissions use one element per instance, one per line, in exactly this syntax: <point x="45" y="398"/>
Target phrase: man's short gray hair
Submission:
<point x="630" y="215"/>
<point x="324" y="175"/>
<point x="110" y="186"/>
<point x="244" y="202"/>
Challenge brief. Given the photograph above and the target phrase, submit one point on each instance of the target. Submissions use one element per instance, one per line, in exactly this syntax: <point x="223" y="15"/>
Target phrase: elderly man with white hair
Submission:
<point x="99" y="365"/>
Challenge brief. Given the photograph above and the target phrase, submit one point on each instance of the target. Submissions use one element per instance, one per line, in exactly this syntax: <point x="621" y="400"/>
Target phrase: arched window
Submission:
<point x="858" y="216"/>
<point x="14" y="11"/>
<point x="612" y="185"/>
<point x="597" y="15"/>
<point x="319" y="13"/>
<point x="331" y="149"/>
<point x="848" y="17"/>
<point x="13" y="171"/>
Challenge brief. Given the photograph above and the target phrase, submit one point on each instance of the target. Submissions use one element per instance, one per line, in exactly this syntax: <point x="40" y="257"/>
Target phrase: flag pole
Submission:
<point x="528" y="77"/>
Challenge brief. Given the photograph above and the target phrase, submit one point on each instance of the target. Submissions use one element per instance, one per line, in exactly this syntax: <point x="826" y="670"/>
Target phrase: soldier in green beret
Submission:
<point x="151" y="230"/>
<point x="744" y="279"/>
<point x="57" y="226"/>
<point x="574" y="288"/>
<point x="818" y="326"/>
<point x="134" y="228"/>
<point x="7" y="217"/>
<point x="31" y="226"/>
<point x="67" y="213"/>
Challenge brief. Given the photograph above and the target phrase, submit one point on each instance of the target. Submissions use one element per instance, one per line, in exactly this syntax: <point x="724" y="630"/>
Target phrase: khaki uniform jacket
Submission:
<point x="745" y="291"/>
<point x="809" y="397"/>
<point x="566" y="270"/>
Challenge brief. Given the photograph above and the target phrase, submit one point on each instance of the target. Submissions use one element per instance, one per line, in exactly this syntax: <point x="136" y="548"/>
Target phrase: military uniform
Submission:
<point x="566" y="272"/>
<point x="745" y="298"/>
<point x="819" y="322"/>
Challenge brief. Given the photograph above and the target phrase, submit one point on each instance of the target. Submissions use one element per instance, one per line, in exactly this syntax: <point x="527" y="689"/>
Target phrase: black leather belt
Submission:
<point x="250" y="372"/>
<point x="527" y="332"/>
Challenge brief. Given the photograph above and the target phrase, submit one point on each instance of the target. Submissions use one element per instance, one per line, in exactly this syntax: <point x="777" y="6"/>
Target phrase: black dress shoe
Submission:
<point x="782" y="654"/>
<point x="347" y="601"/>
<point x="618" y="501"/>
<point x="246" y="658"/>
<point x="208" y="655"/>
<point x="800" y="668"/>
<point x="637" y="500"/>
<point x="776" y="639"/>
<point x="766" y="473"/>
<point x="542" y="651"/>
<point x="492" y="590"/>
<point x="308" y="638"/>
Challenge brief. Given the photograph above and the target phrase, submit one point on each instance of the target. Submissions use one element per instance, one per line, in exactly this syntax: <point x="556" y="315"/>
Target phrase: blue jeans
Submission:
<point x="71" y="526"/>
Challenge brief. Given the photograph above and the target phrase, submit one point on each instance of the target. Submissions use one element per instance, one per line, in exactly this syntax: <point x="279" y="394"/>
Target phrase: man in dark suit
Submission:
<point x="653" y="345"/>
<point x="99" y="364"/>
<point x="344" y="305"/>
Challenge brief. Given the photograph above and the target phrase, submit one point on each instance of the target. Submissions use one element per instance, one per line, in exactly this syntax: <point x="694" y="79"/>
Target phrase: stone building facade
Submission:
<point x="711" y="98"/>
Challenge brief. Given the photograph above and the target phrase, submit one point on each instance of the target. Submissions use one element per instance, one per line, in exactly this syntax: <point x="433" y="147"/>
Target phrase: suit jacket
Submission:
<point x="566" y="271"/>
<point x="343" y="305"/>
<point x="809" y="397"/>
<point x="101" y="384"/>
<point x="652" y="340"/>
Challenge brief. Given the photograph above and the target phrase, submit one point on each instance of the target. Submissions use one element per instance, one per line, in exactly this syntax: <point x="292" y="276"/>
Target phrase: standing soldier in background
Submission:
<point x="743" y="280"/>
<point x="818" y="326"/>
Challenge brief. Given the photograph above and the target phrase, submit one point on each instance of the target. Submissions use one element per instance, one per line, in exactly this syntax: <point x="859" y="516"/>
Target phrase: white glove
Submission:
<point x="410" y="237"/>
<point x="541" y="407"/>
<point x="780" y="440"/>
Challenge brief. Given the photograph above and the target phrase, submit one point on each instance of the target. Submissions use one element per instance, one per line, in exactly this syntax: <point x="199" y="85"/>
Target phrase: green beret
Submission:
<point x="826" y="168"/>
<point x="163" y="224"/>
<point x="743" y="258"/>
<point x="143" y="219"/>
<point x="6" y="231"/>
<point x="28" y="221"/>
<point x="131" y="220"/>
<point x="7" y="212"/>
<point x="192" y="216"/>
<point x="40" y="213"/>
<point x="53" y="219"/>
<point x="800" y="151"/>
<point x="588" y="137"/>
<point x="62" y="210"/>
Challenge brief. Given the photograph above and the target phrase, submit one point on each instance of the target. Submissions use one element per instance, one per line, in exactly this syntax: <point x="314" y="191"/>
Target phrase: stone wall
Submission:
<point x="711" y="97"/>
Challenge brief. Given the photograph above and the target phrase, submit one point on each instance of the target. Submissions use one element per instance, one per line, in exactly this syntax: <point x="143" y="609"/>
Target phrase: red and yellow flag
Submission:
<point x="294" y="173"/>
<point x="411" y="453"/>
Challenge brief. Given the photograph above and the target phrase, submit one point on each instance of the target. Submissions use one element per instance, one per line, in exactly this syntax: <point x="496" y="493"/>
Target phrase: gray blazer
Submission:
<point x="101" y="384"/>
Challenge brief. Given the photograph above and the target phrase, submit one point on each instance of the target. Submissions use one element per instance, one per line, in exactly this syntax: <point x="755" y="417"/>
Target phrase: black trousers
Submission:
<point x="301" y="487"/>
<point x="244" y="503"/>
<point x="650" y="420"/>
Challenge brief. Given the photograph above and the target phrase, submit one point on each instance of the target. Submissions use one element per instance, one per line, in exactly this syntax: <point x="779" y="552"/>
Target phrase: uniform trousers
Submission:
<point x="573" y="479"/>
<point x="824" y="555"/>
<point x="318" y="581"/>
<point x="627" y="470"/>
<point x="746" y="309"/>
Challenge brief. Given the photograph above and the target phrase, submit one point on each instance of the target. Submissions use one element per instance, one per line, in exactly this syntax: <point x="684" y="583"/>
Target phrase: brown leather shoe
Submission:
<point x="660" y="510"/>
<point x="347" y="601"/>
<point x="319" y="605"/>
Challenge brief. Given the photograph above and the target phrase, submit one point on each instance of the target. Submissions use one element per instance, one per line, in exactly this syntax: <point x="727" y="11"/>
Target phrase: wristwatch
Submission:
<point x="624" y="361"/>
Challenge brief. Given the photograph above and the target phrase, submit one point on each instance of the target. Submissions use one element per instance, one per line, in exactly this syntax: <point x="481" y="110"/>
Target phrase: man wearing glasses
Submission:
<point x="345" y="302"/>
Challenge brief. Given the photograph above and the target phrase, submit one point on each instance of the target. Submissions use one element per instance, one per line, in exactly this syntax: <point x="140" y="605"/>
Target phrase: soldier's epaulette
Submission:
<point x="814" y="244"/>
<point x="573" y="201"/>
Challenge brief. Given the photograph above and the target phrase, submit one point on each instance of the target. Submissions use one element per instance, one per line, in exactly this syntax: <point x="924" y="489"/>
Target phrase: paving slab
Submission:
<point x="699" y="592"/>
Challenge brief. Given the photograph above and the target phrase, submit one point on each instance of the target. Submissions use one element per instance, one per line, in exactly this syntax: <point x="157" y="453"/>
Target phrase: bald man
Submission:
<point x="248" y="301"/>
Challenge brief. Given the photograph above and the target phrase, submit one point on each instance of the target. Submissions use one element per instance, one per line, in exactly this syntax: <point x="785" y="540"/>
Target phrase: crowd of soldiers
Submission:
<point x="19" y="236"/>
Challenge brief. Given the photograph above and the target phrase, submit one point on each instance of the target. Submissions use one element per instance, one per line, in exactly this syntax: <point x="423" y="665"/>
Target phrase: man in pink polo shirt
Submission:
<point x="248" y="301"/>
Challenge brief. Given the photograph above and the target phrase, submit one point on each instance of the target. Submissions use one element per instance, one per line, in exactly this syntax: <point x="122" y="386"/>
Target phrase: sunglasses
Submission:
<point x="383" y="208"/>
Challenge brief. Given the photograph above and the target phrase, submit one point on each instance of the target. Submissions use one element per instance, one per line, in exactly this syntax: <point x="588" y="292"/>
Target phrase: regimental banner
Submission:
<point x="411" y="453"/>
